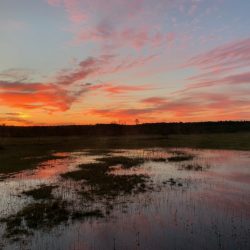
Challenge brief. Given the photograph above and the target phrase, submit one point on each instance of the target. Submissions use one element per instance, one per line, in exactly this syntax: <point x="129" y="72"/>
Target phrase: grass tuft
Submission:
<point x="43" y="192"/>
<point x="194" y="167"/>
<point x="103" y="183"/>
<point x="36" y="216"/>
<point x="88" y="214"/>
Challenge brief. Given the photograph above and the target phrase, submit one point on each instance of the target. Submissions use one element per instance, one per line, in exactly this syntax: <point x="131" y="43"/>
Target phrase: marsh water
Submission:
<point x="168" y="199"/>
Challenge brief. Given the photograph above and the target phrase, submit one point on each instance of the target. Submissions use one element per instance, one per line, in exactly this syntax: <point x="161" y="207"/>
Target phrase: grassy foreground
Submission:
<point x="237" y="141"/>
<point x="25" y="153"/>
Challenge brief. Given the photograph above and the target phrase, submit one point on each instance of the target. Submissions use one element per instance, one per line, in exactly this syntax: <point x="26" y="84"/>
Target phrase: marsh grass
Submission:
<point x="24" y="159"/>
<point x="14" y="151"/>
<point x="194" y="167"/>
<point x="80" y="215"/>
<point x="180" y="156"/>
<point x="105" y="185"/>
<point x="102" y="185"/>
<point x="160" y="159"/>
<point x="42" y="192"/>
<point x="43" y="215"/>
<point x="238" y="141"/>
<point x="173" y="182"/>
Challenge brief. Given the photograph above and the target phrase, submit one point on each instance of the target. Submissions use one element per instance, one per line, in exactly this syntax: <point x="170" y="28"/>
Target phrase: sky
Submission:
<point x="102" y="61"/>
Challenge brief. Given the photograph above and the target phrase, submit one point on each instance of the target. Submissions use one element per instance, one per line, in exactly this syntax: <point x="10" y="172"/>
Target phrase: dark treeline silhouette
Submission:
<point x="119" y="130"/>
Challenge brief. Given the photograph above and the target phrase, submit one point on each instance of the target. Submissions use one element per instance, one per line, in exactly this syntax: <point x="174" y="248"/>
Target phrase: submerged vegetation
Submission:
<point x="36" y="216"/>
<point x="44" y="216"/>
<point x="194" y="167"/>
<point x="180" y="158"/>
<point x="159" y="159"/>
<point x="103" y="183"/>
<point x="43" y="192"/>
<point x="97" y="213"/>
<point x="173" y="182"/>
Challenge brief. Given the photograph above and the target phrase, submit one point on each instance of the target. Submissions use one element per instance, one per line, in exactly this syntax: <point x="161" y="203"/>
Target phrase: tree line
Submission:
<point x="120" y="130"/>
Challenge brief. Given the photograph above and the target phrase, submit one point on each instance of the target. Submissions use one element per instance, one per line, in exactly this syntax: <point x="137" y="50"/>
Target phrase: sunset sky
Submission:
<point x="102" y="61"/>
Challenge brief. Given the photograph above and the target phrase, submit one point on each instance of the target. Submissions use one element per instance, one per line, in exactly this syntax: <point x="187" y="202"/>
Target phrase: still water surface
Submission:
<point x="200" y="203"/>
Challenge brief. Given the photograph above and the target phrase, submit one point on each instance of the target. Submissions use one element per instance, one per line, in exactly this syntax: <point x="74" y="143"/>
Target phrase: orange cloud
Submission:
<point x="154" y="100"/>
<point x="191" y="106"/>
<point x="124" y="115"/>
<point x="14" y="119"/>
<point x="35" y="95"/>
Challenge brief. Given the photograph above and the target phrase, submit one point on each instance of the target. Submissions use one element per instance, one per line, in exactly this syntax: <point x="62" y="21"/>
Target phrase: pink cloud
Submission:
<point x="131" y="63"/>
<point x="98" y="66"/>
<point x="85" y="68"/>
<point x="228" y="64"/>
<point x="118" y="23"/>
<point x="119" y="88"/>
<point x="136" y="38"/>
<point x="234" y="55"/>
<point x="54" y="2"/>
<point x="75" y="13"/>
<point x="195" y="106"/>
<point x="237" y="79"/>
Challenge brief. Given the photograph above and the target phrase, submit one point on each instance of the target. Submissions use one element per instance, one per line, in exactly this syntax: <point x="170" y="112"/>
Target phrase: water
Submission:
<point x="200" y="203"/>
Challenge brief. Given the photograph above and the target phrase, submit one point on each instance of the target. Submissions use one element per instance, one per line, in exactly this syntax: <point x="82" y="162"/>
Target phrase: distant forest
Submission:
<point x="123" y="130"/>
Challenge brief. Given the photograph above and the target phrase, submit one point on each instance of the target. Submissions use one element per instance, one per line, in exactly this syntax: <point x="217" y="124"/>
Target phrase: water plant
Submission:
<point x="42" y="192"/>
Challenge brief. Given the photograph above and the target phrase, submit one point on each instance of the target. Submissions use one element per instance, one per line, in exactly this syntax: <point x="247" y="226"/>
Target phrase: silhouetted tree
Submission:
<point x="121" y="129"/>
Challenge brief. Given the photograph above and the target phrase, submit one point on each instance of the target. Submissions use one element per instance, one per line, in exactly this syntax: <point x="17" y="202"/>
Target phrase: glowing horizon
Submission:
<point x="87" y="62"/>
